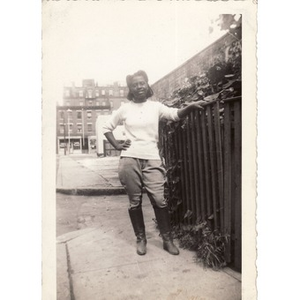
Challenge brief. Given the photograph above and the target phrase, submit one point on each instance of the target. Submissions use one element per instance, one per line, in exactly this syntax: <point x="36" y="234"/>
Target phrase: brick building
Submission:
<point x="224" y="50"/>
<point x="82" y="105"/>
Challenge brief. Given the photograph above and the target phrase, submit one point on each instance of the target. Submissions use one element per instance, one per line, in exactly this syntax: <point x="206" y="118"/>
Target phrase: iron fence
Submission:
<point x="203" y="159"/>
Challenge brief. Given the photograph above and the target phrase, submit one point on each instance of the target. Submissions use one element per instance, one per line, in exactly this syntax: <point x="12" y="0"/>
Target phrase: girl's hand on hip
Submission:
<point x="124" y="145"/>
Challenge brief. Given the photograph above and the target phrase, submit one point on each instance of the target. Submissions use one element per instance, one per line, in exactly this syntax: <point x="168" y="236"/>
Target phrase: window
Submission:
<point x="90" y="102"/>
<point x="97" y="93"/>
<point x="90" y="94"/>
<point x="104" y="103"/>
<point x="89" y="127"/>
<point x="81" y="103"/>
<point x="111" y="104"/>
<point x="81" y="93"/>
<point x="97" y="103"/>
<point x="89" y="114"/>
<point x="70" y="127"/>
<point x="79" y="128"/>
<point x="79" y="114"/>
<point x="110" y="92"/>
<point x="103" y="92"/>
<point x="70" y="114"/>
<point x="122" y="93"/>
<point x="61" y="114"/>
<point x="61" y="128"/>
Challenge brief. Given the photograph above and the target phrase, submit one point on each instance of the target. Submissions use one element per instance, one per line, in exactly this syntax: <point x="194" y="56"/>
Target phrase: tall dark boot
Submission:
<point x="164" y="225"/>
<point x="137" y="220"/>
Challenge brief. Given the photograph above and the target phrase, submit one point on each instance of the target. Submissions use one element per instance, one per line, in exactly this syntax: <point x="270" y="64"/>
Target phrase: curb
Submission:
<point x="63" y="289"/>
<point x="92" y="191"/>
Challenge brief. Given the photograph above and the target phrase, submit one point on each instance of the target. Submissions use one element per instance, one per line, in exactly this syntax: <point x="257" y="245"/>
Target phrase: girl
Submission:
<point x="140" y="164"/>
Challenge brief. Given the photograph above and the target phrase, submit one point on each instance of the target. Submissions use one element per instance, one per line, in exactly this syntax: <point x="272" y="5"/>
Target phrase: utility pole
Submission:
<point x="68" y="111"/>
<point x="65" y="150"/>
<point x="82" y="127"/>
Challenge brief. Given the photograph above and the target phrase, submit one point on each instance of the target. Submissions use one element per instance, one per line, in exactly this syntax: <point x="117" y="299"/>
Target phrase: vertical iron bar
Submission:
<point x="206" y="163"/>
<point x="182" y="169"/>
<point x="200" y="167"/>
<point x="186" y="181"/>
<point x="190" y="170"/>
<point x="237" y="180"/>
<point x="212" y="166"/>
<point x="176" y="144"/>
<point x="219" y="162"/>
<point x="195" y="168"/>
<point x="227" y="179"/>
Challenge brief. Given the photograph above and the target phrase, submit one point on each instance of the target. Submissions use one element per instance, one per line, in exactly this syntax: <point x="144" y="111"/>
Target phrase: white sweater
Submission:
<point x="141" y="122"/>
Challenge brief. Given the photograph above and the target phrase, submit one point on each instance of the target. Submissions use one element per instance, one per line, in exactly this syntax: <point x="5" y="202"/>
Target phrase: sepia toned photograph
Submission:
<point x="149" y="158"/>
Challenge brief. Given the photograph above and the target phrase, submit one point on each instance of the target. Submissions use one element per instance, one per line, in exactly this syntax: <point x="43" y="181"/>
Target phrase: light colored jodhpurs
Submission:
<point x="135" y="173"/>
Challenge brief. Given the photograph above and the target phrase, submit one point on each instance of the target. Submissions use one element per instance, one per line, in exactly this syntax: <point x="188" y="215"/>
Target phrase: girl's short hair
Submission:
<point x="129" y="81"/>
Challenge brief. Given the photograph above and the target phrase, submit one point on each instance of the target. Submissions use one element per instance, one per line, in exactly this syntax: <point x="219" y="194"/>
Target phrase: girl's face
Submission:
<point x="139" y="88"/>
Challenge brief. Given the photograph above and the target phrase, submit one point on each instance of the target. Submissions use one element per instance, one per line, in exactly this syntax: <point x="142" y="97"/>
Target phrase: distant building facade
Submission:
<point x="82" y="107"/>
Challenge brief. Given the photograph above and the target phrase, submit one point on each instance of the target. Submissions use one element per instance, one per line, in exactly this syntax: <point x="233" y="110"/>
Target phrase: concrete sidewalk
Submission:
<point x="100" y="261"/>
<point x="88" y="175"/>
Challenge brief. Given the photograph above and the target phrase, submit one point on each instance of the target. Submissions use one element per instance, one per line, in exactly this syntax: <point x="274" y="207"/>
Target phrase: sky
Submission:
<point x="106" y="41"/>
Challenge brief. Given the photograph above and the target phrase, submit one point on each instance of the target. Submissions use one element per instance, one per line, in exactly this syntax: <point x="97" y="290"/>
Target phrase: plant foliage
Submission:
<point x="209" y="245"/>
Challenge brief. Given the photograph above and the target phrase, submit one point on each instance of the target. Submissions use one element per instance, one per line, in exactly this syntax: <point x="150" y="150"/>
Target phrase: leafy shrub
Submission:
<point x="208" y="244"/>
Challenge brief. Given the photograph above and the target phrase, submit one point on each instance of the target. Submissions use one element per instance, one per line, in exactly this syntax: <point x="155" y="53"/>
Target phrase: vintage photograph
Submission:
<point x="149" y="125"/>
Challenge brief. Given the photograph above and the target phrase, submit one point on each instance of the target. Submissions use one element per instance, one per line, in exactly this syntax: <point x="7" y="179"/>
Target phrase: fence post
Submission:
<point x="227" y="178"/>
<point x="212" y="166"/>
<point x="219" y="155"/>
<point x="237" y="184"/>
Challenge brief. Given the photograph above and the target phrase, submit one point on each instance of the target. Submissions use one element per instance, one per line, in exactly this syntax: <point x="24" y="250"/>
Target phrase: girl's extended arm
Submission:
<point x="183" y="112"/>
